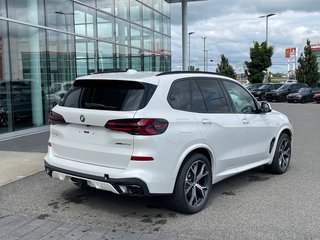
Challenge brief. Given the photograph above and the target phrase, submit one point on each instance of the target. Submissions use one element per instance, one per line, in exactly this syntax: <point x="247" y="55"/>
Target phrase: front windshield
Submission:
<point x="266" y="86"/>
<point x="304" y="90"/>
<point x="283" y="87"/>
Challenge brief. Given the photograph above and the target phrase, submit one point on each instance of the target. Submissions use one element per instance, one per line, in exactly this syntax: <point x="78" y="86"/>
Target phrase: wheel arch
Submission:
<point x="285" y="130"/>
<point x="200" y="148"/>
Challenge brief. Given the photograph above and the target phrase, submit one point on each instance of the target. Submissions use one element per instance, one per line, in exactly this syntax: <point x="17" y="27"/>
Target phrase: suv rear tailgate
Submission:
<point x="89" y="141"/>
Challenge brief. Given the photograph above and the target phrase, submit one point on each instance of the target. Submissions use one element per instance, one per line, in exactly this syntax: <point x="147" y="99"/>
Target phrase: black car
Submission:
<point x="253" y="86"/>
<point x="303" y="95"/>
<point x="280" y="95"/>
<point x="261" y="91"/>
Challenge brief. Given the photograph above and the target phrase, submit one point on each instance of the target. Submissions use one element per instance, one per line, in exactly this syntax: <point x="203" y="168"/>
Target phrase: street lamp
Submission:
<point x="190" y="33"/>
<point x="204" y="53"/>
<point x="267" y="17"/>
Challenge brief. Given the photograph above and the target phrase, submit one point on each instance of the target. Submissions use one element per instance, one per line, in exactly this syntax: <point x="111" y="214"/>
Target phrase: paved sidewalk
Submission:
<point x="37" y="227"/>
<point x="17" y="165"/>
<point x="22" y="157"/>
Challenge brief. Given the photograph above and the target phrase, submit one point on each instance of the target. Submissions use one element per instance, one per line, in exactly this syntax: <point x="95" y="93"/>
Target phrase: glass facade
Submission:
<point x="46" y="44"/>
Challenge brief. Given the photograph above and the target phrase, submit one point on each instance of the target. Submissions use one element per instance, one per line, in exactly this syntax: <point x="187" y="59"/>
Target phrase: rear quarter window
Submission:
<point x="108" y="95"/>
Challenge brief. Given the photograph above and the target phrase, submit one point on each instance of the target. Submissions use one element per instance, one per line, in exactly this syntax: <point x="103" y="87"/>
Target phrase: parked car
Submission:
<point x="316" y="97"/>
<point x="253" y="86"/>
<point x="20" y="100"/>
<point x="280" y="95"/>
<point x="57" y="91"/>
<point x="174" y="134"/>
<point x="289" y="81"/>
<point x="303" y="95"/>
<point x="261" y="91"/>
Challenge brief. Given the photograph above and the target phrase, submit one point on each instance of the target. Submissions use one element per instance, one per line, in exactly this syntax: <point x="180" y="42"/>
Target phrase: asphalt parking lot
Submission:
<point x="251" y="205"/>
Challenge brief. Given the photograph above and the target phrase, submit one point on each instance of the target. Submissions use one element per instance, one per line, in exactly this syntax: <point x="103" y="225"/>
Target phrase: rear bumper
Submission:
<point x="126" y="186"/>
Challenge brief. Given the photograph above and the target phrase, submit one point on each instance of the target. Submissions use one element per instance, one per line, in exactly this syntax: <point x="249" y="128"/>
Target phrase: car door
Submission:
<point x="258" y="129"/>
<point x="220" y="129"/>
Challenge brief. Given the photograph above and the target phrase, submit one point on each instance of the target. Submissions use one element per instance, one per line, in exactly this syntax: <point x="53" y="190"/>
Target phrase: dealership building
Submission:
<point x="46" y="44"/>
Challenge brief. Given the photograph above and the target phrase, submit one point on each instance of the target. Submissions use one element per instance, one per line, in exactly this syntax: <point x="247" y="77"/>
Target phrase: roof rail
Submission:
<point x="183" y="72"/>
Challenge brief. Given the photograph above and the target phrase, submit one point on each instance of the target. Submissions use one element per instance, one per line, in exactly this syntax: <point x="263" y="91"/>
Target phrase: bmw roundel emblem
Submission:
<point x="82" y="118"/>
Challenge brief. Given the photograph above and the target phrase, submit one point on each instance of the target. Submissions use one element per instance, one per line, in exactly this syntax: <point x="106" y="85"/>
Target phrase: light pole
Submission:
<point x="190" y="33"/>
<point x="267" y="17"/>
<point x="204" y="53"/>
<point x="207" y="59"/>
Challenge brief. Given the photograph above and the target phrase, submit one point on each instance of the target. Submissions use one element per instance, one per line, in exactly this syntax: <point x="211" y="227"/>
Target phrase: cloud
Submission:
<point x="232" y="26"/>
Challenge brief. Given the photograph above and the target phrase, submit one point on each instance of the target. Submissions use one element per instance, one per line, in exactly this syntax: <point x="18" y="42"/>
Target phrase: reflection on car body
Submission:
<point x="57" y="91"/>
<point x="20" y="100"/>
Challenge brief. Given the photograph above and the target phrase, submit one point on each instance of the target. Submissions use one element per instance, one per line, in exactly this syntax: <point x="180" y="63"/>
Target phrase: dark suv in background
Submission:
<point x="280" y="95"/>
<point x="261" y="91"/>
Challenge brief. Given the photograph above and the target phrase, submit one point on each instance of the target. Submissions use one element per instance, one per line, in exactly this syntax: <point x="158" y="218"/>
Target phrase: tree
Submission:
<point x="260" y="56"/>
<point x="193" y="69"/>
<point x="224" y="68"/>
<point x="308" y="69"/>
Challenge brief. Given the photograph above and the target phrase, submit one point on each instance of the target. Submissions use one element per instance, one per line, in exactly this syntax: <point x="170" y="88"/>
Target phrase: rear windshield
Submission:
<point x="108" y="95"/>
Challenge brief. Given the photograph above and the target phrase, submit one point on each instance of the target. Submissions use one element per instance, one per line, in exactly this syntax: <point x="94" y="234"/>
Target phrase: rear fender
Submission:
<point x="191" y="149"/>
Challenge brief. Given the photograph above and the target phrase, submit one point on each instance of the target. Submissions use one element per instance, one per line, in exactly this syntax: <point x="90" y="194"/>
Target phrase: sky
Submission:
<point x="231" y="27"/>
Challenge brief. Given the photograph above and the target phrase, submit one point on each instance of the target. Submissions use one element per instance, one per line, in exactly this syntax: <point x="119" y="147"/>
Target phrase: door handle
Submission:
<point x="206" y="121"/>
<point x="245" y="121"/>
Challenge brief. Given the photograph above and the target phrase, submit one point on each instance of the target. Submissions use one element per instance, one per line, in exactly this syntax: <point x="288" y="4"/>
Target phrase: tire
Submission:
<point x="303" y="100"/>
<point x="282" y="155"/>
<point x="3" y="119"/>
<point x="191" y="193"/>
<point x="262" y="97"/>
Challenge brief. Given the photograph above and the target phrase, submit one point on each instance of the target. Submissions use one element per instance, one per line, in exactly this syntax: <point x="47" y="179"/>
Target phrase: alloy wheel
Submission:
<point x="197" y="183"/>
<point x="284" y="153"/>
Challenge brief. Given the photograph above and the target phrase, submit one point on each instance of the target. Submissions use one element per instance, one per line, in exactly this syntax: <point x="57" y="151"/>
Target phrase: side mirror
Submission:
<point x="265" y="107"/>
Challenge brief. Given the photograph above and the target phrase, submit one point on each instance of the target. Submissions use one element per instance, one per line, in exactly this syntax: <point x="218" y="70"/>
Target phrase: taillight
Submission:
<point x="56" y="118"/>
<point x="139" y="126"/>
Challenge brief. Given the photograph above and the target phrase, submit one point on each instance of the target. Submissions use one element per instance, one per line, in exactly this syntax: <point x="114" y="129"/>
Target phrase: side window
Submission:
<point x="242" y="100"/>
<point x="198" y="104"/>
<point x="179" y="96"/>
<point x="213" y="95"/>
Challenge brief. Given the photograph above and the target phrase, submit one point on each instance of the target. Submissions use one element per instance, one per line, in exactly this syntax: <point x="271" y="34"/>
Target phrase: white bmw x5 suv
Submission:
<point x="175" y="134"/>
